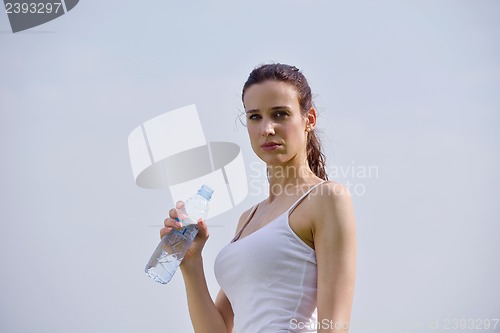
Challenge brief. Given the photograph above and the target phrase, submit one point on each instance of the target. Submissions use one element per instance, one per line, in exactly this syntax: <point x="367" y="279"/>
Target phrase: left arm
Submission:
<point x="334" y="232"/>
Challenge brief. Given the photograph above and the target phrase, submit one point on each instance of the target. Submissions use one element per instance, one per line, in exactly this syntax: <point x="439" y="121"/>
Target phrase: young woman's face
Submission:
<point x="273" y="116"/>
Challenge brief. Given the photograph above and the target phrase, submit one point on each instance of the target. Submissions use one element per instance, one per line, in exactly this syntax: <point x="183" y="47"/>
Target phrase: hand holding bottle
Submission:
<point x="181" y="236"/>
<point x="199" y="241"/>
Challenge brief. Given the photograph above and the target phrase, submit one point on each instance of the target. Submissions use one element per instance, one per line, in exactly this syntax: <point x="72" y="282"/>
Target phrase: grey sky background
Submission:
<point x="408" y="88"/>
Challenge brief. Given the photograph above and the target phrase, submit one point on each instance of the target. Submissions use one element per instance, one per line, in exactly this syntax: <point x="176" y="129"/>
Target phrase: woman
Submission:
<point x="291" y="265"/>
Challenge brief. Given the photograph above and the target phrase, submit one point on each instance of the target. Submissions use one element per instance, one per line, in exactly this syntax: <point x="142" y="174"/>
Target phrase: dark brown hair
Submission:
<point x="292" y="75"/>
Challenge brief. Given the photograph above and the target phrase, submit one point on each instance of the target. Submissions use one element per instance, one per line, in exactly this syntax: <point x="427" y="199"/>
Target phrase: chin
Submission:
<point x="273" y="160"/>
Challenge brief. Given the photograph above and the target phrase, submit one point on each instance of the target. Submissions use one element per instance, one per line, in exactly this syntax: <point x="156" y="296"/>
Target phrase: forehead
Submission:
<point x="269" y="94"/>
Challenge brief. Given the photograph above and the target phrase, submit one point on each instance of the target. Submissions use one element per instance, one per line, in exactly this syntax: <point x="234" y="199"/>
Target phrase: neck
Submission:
<point x="287" y="180"/>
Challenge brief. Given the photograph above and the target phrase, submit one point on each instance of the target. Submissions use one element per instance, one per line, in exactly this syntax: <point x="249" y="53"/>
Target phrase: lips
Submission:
<point x="268" y="146"/>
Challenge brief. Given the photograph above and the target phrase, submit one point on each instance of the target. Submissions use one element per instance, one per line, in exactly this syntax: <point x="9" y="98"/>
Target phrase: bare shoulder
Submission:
<point x="330" y="193"/>
<point x="333" y="204"/>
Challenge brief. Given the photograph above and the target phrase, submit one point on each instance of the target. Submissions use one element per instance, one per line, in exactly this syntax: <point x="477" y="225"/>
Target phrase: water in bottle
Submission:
<point x="173" y="246"/>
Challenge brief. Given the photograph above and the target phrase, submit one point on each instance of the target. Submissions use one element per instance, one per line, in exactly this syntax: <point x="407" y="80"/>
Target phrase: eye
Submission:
<point x="280" y="114"/>
<point x="254" y="116"/>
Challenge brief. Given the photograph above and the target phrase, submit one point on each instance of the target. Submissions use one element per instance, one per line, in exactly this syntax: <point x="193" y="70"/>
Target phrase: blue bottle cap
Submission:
<point x="206" y="191"/>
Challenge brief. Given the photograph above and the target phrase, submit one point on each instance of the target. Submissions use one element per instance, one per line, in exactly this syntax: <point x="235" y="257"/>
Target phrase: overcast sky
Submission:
<point x="408" y="100"/>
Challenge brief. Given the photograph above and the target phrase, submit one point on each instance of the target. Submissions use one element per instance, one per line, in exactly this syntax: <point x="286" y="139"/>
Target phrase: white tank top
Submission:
<point x="270" y="278"/>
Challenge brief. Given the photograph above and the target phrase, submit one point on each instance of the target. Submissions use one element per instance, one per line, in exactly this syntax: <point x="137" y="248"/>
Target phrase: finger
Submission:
<point x="164" y="231"/>
<point x="202" y="229"/>
<point x="179" y="204"/>
<point x="172" y="213"/>
<point x="172" y="223"/>
<point x="180" y="209"/>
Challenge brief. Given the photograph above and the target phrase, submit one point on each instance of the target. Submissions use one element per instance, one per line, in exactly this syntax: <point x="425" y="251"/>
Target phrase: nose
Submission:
<point x="267" y="128"/>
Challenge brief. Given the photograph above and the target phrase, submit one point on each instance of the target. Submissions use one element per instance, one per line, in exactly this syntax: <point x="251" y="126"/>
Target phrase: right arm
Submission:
<point x="206" y="316"/>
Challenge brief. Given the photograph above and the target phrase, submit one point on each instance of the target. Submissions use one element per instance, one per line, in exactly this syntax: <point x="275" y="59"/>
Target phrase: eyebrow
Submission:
<point x="284" y="107"/>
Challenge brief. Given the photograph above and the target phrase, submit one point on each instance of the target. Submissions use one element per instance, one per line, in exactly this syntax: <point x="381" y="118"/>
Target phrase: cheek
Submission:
<point x="252" y="132"/>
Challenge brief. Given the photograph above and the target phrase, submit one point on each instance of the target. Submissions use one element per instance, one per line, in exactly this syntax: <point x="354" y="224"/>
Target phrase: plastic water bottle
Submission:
<point x="173" y="246"/>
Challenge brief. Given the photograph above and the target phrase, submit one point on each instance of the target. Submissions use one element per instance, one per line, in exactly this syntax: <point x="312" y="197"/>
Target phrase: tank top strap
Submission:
<point x="238" y="234"/>
<point x="290" y="210"/>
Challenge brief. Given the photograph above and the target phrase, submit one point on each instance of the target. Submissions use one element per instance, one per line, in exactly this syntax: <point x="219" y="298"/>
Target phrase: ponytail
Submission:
<point x="315" y="156"/>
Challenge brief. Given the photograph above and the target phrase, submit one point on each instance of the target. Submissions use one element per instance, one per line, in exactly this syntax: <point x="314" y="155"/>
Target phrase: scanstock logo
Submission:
<point x="28" y="14"/>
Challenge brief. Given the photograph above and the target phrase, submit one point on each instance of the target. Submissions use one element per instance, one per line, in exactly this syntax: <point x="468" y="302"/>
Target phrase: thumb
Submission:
<point x="202" y="229"/>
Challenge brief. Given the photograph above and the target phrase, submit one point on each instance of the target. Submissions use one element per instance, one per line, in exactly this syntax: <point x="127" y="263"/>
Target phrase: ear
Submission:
<point x="310" y="117"/>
